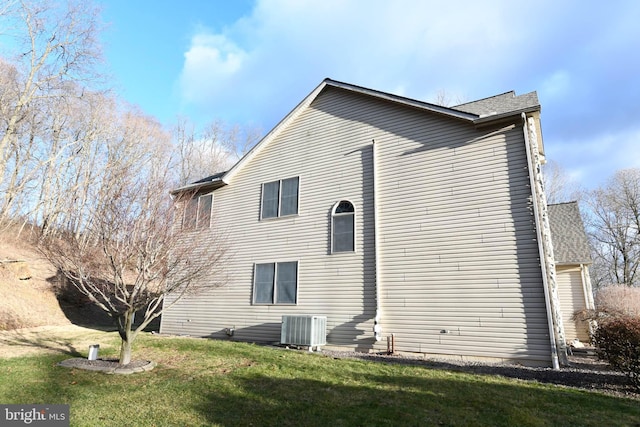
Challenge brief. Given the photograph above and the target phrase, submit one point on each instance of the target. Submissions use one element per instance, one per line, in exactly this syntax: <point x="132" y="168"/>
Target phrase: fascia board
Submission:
<point x="215" y="184"/>
<point x="490" y="119"/>
<point x="404" y="101"/>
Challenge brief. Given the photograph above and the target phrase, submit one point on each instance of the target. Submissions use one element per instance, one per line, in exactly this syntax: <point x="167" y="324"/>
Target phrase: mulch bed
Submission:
<point x="584" y="372"/>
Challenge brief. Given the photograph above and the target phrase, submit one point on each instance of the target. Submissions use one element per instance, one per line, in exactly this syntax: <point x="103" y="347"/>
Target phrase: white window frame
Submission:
<point x="279" y="209"/>
<point x="275" y="281"/>
<point x="333" y="215"/>
<point x="197" y="225"/>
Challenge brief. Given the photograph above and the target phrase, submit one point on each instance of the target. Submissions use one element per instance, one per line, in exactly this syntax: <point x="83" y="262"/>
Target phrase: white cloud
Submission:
<point x="258" y="68"/>
<point x="267" y="61"/>
<point x="591" y="160"/>
<point x="212" y="59"/>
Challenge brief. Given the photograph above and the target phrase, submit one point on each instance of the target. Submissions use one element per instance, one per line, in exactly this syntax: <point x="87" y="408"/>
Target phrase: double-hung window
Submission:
<point x="197" y="212"/>
<point x="280" y="198"/>
<point x="275" y="283"/>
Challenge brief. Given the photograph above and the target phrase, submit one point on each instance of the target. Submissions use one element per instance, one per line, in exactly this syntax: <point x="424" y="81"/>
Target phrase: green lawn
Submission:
<point x="206" y="382"/>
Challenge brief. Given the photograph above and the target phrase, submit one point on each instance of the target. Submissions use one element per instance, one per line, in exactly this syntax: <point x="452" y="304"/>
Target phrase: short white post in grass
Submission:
<point x="93" y="351"/>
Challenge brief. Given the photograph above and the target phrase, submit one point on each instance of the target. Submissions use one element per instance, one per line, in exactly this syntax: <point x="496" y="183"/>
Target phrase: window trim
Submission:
<point x="333" y="215"/>
<point x="275" y="282"/>
<point x="196" y="225"/>
<point x="279" y="208"/>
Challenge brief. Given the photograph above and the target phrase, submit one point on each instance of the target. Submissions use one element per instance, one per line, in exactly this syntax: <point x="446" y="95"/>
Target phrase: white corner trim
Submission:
<point x="545" y="247"/>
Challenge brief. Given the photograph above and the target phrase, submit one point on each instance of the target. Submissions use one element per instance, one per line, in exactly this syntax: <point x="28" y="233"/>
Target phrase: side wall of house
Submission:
<point x="460" y="273"/>
<point x="333" y="159"/>
<point x="572" y="298"/>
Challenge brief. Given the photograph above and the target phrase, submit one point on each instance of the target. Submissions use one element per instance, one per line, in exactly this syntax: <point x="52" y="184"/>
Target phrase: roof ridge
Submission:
<point x="563" y="203"/>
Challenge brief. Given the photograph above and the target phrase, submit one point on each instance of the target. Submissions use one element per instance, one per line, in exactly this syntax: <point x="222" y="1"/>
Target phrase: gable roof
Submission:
<point x="570" y="243"/>
<point x="476" y="112"/>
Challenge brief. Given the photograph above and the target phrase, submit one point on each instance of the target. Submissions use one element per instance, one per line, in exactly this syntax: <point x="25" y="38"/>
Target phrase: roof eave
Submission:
<point x="446" y="111"/>
<point x="199" y="186"/>
<point x="567" y="263"/>
<point x="495" y="118"/>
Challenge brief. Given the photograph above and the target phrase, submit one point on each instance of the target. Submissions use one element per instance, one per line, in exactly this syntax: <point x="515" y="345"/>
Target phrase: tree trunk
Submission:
<point x="125" y="322"/>
<point x="125" y="352"/>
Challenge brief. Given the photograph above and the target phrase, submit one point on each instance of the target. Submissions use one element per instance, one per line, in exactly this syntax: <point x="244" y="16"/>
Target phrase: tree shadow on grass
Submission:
<point x="30" y="339"/>
<point x="581" y="376"/>
<point x="80" y="311"/>
<point x="404" y="400"/>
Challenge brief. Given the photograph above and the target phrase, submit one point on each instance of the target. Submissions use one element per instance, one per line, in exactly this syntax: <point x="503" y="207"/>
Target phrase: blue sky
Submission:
<point x="251" y="62"/>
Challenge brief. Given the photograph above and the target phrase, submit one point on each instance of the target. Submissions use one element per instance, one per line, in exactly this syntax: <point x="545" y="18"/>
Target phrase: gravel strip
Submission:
<point x="585" y="373"/>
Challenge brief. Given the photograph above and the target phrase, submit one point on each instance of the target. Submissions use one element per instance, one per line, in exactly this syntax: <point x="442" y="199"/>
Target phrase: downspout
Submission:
<point x="377" y="328"/>
<point x="588" y="295"/>
<point x="543" y="250"/>
<point x="587" y="289"/>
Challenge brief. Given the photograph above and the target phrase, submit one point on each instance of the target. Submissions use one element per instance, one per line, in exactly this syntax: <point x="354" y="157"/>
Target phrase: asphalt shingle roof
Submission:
<point x="213" y="177"/>
<point x="570" y="243"/>
<point x="500" y="104"/>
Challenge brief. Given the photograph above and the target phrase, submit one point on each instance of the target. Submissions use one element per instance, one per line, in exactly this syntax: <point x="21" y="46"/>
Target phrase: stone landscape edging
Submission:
<point x="107" y="366"/>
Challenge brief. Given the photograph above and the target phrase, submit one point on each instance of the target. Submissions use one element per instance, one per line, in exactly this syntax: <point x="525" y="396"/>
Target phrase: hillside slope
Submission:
<point x="30" y="302"/>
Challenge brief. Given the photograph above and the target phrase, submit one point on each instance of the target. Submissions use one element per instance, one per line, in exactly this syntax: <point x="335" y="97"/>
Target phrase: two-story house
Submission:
<point x="387" y="215"/>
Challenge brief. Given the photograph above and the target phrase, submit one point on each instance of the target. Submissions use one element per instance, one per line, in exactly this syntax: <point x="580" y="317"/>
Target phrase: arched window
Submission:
<point x="343" y="225"/>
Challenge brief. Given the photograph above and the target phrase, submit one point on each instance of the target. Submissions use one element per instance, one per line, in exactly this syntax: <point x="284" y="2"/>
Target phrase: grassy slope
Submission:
<point x="206" y="382"/>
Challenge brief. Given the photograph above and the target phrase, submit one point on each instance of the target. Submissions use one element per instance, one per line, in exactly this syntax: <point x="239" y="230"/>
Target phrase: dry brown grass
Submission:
<point x="62" y="339"/>
<point x="619" y="299"/>
<point x="26" y="303"/>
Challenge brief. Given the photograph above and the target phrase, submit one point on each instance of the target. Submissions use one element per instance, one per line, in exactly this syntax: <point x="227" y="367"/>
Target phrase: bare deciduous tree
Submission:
<point x="128" y="257"/>
<point x="447" y="99"/>
<point x="92" y="174"/>
<point x="558" y="185"/>
<point x="215" y="149"/>
<point x="55" y="48"/>
<point x="613" y="221"/>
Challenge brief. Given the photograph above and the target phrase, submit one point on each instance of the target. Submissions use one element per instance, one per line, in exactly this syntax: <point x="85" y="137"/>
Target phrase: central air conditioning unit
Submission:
<point x="304" y="330"/>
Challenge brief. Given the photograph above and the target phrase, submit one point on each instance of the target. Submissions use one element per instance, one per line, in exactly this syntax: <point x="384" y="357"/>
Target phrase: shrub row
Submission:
<point x="617" y="339"/>
<point x="619" y="299"/>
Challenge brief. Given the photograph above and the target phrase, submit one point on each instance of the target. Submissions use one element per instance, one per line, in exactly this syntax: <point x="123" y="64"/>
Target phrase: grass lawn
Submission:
<point x="206" y="382"/>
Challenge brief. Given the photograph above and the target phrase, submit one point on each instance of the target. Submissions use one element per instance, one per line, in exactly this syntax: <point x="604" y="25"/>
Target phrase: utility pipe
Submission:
<point x="377" y="328"/>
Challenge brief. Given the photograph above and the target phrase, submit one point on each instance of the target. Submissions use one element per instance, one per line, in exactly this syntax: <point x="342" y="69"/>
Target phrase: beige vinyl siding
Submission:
<point x="333" y="162"/>
<point x="571" y="295"/>
<point x="457" y="242"/>
<point x="460" y="273"/>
